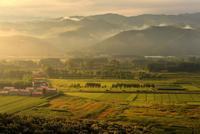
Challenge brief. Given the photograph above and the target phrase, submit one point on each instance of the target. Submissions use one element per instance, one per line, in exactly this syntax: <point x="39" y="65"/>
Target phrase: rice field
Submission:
<point x="13" y="104"/>
<point x="66" y="106"/>
<point x="105" y="96"/>
<point x="143" y="99"/>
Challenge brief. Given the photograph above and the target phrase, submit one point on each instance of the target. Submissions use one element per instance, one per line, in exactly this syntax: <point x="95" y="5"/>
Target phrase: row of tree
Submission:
<point x="174" y="67"/>
<point x="129" y="85"/>
<point x="102" y="74"/>
<point x="117" y="85"/>
<point x="15" y="83"/>
<point x="93" y="85"/>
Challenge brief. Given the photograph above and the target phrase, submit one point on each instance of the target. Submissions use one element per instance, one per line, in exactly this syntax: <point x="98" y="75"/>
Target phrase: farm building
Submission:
<point x="37" y="93"/>
<point x="42" y="88"/>
<point x="46" y="90"/>
<point x="3" y="92"/>
<point x="50" y="91"/>
<point x="39" y="88"/>
<point x="8" y="88"/>
<point x="13" y="92"/>
<point x="25" y="92"/>
<point x="39" y="83"/>
<point x="30" y="88"/>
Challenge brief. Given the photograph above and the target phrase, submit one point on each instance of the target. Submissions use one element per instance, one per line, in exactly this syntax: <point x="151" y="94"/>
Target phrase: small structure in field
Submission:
<point x="39" y="83"/>
<point x="37" y="94"/>
<point x="50" y="91"/>
<point x="25" y="92"/>
<point x="3" y="92"/>
<point x="29" y="88"/>
<point x="13" y="92"/>
<point x="8" y="88"/>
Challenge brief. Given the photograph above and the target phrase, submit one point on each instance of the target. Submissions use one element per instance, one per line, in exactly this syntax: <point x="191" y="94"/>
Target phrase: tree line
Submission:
<point x="11" y="124"/>
<point x="174" y="67"/>
<point x="129" y="85"/>
<point x="117" y="85"/>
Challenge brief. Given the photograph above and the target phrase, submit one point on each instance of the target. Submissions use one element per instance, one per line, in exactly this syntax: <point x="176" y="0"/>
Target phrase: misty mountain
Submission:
<point x="26" y="46"/>
<point x="168" y="40"/>
<point x="93" y="29"/>
<point x="67" y="34"/>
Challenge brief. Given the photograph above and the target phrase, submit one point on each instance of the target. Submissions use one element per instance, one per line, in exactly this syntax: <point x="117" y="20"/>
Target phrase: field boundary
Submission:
<point x="136" y="92"/>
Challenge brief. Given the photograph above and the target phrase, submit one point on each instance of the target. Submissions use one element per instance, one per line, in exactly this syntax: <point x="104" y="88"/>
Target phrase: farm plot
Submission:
<point x="142" y="99"/>
<point x="127" y="107"/>
<point x="106" y="96"/>
<point x="191" y="87"/>
<point x="166" y="99"/>
<point x="69" y="106"/>
<point x="12" y="104"/>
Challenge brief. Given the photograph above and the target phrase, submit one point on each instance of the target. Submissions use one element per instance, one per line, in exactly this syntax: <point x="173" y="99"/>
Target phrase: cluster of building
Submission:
<point x="39" y="88"/>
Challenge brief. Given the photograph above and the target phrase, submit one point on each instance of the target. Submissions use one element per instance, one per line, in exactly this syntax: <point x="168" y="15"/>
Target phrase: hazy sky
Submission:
<point x="56" y="8"/>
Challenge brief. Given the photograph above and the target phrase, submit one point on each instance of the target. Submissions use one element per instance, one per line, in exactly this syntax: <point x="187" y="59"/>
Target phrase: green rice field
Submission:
<point x="143" y="99"/>
<point x="13" y="104"/>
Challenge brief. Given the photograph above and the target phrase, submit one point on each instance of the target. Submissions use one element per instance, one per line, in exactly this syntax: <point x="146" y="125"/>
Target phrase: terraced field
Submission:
<point x="12" y="104"/>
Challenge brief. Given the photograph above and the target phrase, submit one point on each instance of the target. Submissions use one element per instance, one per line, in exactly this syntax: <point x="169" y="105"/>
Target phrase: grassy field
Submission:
<point x="12" y="104"/>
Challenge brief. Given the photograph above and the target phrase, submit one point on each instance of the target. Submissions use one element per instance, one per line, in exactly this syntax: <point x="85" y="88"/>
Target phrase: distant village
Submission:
<point x="39" y="88"/>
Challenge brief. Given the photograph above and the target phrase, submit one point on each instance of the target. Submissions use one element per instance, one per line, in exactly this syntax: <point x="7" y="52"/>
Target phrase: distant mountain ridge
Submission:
<point x="168" y="41"/>
<point x="77" y="33"/>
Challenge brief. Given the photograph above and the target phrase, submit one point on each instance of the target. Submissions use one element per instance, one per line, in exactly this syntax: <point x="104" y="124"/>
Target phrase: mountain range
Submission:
<point x="153" y="41"/>
<point x="107" y="34"/>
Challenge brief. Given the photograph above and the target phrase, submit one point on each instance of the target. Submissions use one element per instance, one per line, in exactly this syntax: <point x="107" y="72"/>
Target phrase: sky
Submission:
<point x="58" y="8"/>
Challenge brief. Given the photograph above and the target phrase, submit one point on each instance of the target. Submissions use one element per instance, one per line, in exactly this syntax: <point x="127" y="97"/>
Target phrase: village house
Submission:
<point x="30" y="89"/>
<point x="51" y="91"/>
<point x="37" y="93"/>
<point x="40" y="88"/>
<point x="13" y="92"/>
<point x="8" y="88"/>
<point x="39" y="83"/>
<point x="3" y="92"/>
<point x="25" y="92"/>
